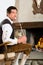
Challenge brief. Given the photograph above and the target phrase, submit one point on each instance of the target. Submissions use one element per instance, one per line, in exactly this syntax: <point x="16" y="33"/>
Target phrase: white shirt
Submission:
<point x="7" y="31"/>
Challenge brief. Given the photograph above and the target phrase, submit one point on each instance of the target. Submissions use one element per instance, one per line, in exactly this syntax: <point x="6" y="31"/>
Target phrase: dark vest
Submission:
<point x="6" y="21"/>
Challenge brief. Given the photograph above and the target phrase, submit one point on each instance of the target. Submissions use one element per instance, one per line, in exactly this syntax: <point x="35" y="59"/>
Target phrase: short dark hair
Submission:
<point x="10" y="8"/>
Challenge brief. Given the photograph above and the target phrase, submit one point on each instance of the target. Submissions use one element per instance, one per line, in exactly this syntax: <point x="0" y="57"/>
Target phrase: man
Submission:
<point x="8" y="33"/>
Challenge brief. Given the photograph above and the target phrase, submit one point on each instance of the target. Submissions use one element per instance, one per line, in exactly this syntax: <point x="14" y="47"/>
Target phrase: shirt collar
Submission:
<point x="10" y="20"/>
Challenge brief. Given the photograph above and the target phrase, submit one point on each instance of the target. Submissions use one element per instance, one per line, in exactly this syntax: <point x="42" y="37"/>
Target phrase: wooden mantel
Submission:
<point x="27" y="25"/>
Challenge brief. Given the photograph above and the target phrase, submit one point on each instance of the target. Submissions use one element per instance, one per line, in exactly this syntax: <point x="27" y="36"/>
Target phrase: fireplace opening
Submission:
<point x="33" y="35"/>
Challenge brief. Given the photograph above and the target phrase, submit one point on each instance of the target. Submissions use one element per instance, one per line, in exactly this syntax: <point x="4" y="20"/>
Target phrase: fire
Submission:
<point x="40" y="43"/>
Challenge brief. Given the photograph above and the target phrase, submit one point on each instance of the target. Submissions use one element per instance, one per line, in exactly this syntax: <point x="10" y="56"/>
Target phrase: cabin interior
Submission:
<point x="30" y="19"/>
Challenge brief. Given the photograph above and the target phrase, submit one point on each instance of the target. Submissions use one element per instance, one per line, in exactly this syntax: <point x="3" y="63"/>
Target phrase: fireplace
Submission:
<point x="34" y="30"/>
<point x="35" y="33"/>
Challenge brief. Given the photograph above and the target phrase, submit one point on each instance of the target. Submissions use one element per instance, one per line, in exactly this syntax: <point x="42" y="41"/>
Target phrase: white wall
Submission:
<point x="3" y="6"/>
<point x="25" y="12"/>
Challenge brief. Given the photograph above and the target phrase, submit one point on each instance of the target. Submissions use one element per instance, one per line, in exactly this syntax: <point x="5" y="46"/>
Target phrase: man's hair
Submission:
<point x="10" y="8"/>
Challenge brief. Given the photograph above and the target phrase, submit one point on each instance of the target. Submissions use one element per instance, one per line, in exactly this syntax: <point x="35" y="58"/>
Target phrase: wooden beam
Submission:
<point x="29" y="25"/>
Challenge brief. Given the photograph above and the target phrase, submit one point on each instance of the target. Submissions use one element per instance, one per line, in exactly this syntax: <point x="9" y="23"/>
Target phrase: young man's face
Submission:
<point x="13" y="14"/>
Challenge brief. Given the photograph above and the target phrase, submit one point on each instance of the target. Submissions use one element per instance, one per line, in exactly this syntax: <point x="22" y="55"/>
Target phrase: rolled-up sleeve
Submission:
<point x="7" y="31"/>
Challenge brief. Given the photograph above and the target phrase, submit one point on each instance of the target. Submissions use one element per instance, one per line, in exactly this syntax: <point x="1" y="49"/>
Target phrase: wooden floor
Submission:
<point x="27" y="63"/>
<point x="34" y="56"/>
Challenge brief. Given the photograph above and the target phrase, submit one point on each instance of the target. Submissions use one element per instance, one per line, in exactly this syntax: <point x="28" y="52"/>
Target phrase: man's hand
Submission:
<point x="22" y="39"/>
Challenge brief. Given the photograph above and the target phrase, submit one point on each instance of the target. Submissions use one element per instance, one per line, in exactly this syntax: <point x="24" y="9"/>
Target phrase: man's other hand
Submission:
<point x="22" y="39"/>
